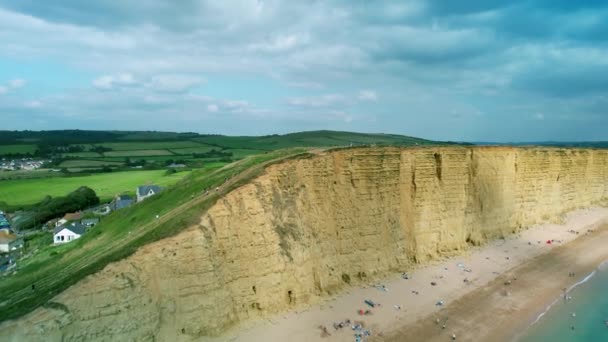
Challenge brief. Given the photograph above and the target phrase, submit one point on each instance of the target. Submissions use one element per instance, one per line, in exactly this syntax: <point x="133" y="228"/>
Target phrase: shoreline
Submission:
<point x="409" y="306"/>
<point x="570" y="289"/>
<point x="587" y="278"/>
<point x="507" y="318"/>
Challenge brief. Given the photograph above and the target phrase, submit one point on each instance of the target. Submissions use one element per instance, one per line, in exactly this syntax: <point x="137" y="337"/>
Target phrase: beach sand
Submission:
<point x="486" y="307"/>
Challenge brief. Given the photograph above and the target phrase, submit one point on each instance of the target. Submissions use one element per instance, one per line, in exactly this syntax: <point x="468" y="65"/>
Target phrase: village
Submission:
<point x="65" y="229"/>
<point x="25" y="164"/>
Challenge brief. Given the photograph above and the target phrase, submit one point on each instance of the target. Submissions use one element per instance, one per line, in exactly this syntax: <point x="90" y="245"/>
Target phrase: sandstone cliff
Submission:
<point x="307" y="228"/>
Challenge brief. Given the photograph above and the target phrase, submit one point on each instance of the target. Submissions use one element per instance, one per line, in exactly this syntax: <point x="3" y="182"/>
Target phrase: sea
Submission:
<point x="584" y="318"/>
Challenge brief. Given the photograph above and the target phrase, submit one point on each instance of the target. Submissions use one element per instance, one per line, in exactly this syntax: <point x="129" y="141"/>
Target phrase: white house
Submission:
<point x="67" y="233"/>
<point x="146" y="191"/>
<point x="10" y="242"/>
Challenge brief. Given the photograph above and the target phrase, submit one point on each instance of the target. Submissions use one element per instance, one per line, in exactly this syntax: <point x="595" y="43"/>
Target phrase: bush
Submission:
<point x="50" y="208"/>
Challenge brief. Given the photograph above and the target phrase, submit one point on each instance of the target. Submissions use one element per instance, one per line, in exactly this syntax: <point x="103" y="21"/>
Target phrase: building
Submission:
<point x="68" y="232"/>
<point x="121" y="201"/>
<point x="5" y="225"/>
<point x="90" y="222"/>
<point x="73" y="216"/>
<point x="146" y="191"/>
<point x="10" y="242"/>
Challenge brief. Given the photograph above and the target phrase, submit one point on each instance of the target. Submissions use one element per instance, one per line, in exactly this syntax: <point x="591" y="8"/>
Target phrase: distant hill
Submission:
<point x="577" y="144"/>
<point x="315" y="138"/>
<point x="53" y="143"/>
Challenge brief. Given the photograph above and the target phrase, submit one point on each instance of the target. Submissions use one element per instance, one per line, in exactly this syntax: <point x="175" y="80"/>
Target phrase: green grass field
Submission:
<point x="78" y="163"/>
<point x="8" y="149"/>
<point x="242" y="153"/>
<point x="82" y="155"/>
<point x="152" y="145"/>
<point x="106" y="185"/>
<point x="137" y="153"/>
<point x="190" y="150"/>
<point x="40" y="173"/>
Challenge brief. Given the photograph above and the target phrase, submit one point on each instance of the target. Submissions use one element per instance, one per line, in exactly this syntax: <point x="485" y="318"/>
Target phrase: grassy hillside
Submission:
<point x="106" y="185"/>
<point x="55" y="268"/>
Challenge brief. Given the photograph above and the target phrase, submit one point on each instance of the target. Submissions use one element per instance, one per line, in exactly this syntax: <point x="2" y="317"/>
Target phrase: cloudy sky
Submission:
<point x="475" y="70"/>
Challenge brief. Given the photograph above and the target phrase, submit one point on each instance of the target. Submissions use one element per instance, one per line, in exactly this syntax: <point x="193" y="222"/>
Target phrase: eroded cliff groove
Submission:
<point x="307" y="228"/>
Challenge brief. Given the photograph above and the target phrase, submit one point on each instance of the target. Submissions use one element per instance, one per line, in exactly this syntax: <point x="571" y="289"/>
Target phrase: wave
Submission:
<point x="601" y="267"/>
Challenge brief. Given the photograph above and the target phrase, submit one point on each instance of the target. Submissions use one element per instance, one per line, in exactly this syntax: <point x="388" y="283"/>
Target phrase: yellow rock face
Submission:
<point x="308" y="228"/>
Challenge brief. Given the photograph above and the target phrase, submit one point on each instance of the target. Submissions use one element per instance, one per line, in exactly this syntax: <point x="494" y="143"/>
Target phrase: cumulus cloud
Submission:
<point x="108" y="82"/>
<point x="212" y="108"/>
<point x="317" y="58"/>
<point x="368" y="95"/>
<point x="12" y="85"/>
<point x="317" y="101"/>
<point x="17" y="83"/>
<point x="175" y="83"/>
<point x="33" y="104"/>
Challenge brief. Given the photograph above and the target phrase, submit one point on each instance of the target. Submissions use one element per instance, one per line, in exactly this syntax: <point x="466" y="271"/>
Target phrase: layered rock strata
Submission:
<point x="307" y="228"/>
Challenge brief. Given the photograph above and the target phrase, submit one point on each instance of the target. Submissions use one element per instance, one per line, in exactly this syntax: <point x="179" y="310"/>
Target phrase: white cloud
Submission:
<point x="316" y="101"/>
<point x="17" y="83"/>
<point x="539" y="116"/>
<point x="175" y="82"/>
<point x="33" y="104"/>
<point x="368" y="95"/>
<point x="11" y="85"/>
<point x="212" y="108"/>
<point x="342" y="116"/>
<point x="108" y="82"/>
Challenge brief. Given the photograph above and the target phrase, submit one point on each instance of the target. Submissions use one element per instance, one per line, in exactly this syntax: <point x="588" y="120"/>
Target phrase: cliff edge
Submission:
<point x="307" y="228"/>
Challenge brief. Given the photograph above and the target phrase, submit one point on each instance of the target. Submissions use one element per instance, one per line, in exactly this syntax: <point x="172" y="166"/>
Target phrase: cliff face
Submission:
<point x="307" y="228"/>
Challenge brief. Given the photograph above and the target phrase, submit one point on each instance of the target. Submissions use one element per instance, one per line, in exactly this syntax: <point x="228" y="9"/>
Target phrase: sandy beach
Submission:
<point x="490" y="293"/>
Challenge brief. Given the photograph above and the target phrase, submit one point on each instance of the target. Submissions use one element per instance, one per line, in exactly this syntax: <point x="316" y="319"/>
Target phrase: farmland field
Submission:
<point x="8" y="149"/>
<point x="190" y="150"/>
<point x="82" y="154"/>
<point x="153" y="145"/>
<point x="89" y="163"/>
<point x="29" y="191"/>
<point x="137" y="153"/>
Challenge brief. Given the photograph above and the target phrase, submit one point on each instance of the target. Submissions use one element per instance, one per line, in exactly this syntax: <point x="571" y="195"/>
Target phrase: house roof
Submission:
<point x="73" y="216"/>
<point x="7" y="237"/>
<point x="89" y="220"/>
<point x="124" y="198"/>
<point x="145" y="189"/>
<point x="74" y="227"/>
<point x="122" y="201"/>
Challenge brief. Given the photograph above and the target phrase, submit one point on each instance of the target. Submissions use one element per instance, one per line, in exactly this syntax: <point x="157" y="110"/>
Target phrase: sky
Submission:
<point x="475" y="70"/>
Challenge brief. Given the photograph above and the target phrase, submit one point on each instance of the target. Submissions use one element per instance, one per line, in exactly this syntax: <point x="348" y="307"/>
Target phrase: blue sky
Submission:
<point x="452" y="70"/>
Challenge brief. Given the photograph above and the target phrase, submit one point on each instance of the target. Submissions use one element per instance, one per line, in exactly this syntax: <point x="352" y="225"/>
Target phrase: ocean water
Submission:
<point x="589" y="305"/>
